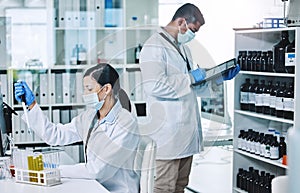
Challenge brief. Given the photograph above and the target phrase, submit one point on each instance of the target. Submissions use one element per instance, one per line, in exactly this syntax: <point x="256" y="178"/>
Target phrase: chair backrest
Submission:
<point x="145" y="163"/>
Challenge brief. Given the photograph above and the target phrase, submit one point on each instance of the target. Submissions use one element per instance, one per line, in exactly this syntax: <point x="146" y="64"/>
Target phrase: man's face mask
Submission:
<point x="186" y="37"/>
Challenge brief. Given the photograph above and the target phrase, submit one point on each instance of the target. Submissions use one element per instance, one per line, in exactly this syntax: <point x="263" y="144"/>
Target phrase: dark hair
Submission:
<point x="191" y="13"/>
<point x="104" y="73"/>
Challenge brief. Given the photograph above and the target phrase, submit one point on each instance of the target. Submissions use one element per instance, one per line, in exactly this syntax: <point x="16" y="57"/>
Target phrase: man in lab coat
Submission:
<point x="167" y="72"/>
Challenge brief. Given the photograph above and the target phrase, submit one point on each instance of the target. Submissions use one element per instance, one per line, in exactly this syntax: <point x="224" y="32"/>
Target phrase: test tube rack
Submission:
<point x="48" y="177"/>
<point x="38" y="167"/>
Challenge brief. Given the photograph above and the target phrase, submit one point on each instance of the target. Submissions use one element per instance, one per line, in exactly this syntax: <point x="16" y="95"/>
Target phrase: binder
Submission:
<point x="43" y="88"/>
<point x="83" y="10"/>
<point x="73" y="113"/>
<point x="73" y="82"/>
<point x="52" y="88"/>
<point x="55" y="116"/>
<point x="61" y="13"/>
<point x="99" y="13"/>
<point x="91" y="13"/>
<point x="4" y="89"/>
<point x="132" y="85"/>
<point x="64" y="116"/>
<point x="36" y="87"/>
<point x="68" y="13"/>
<point x="58" y="88"/>
<point x="56" y="13"/>
<point x="4" y="22"/>
<point x="138" y="85"/>
<point x="79" y="86"/>
<point x="16" y="127"/>
<point x="23" y="128"/>
<point x="66" y="87"/>
<point x="76" y="13"/>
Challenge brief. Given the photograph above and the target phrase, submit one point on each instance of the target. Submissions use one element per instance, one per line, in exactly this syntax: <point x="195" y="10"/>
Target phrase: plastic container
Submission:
<point x="49" y="177"/>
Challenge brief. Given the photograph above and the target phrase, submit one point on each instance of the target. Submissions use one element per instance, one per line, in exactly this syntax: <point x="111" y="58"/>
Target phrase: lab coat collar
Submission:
<point x="161" y="29"/>
<point x="111" y="116"/>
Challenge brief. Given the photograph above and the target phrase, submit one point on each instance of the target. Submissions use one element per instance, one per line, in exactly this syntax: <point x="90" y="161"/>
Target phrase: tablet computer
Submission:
<point x="217" y="71"/>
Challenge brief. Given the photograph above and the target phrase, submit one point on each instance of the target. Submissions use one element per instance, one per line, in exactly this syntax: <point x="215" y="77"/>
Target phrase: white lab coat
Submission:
<point x="111" y="147"/>
<point x="174" y="114"/>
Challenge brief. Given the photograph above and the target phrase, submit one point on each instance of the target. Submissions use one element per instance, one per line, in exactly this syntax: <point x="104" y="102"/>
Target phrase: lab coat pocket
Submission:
<point x="165" y="118"/>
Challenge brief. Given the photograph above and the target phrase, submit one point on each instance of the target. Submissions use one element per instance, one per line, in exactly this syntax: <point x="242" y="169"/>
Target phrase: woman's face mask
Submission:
<point x="186" y="37"/>
<point x="91" y="100"/>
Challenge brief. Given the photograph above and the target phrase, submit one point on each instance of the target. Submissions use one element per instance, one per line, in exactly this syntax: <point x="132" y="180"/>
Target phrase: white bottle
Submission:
<point x="82" y="55"/>
<point x="74" y="57"/>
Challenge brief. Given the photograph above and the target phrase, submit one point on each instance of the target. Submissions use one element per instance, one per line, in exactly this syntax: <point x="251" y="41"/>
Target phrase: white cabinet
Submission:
<point x="89" y="31"/>
<point x="262" y="40"/>
<point x="80" y="33"/>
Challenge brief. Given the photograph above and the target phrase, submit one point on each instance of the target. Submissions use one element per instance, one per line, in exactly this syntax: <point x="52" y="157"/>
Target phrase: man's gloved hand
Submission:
<point x="21" y="88"/>
<point x="229" y="75"/>
<point x="198" y="74"/>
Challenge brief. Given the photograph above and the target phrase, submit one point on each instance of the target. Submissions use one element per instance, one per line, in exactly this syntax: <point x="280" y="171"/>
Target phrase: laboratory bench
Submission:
<point x="67" y="185"/>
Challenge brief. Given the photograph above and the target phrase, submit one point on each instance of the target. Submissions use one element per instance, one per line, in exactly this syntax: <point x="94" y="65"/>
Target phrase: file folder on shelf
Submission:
<point x="44" y="88"/>
<point x="66" y="87"/>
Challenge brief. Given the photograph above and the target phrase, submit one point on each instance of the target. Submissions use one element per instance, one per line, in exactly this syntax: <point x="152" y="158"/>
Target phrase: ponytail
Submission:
<point x="124" y="100"/>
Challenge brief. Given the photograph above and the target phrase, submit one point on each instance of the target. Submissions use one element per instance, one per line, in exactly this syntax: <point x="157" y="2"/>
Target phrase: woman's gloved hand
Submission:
<point x="21" y="88"/>
<point x="229" y="75"/>
<point x="198" y="74"/>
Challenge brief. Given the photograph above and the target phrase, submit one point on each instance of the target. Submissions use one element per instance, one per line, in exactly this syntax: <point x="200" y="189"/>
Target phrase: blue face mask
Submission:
<point x="186" y="37"/>
<point x="92" y="101"/>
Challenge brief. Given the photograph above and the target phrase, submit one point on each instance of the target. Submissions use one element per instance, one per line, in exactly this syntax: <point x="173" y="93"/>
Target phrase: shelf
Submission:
<point x="70" y="67"/>
<point x="132" y="66"/>
<point x="88" y="28"/>
<point x="261" y="30"/>
<point x="31" y="144"/>
<point x="268" y="74"/>
<point x="262" y="116"/>
<point x="28" y="68"/>
<point x="17" y="106"/>
<point x="272" y="162"/>
<point x="239" y="190"/>
<point x="68" y="105"/>
<point x="149" y="27"/>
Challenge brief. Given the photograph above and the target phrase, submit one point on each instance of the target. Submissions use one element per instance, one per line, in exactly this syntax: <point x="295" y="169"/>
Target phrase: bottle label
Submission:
<point x="267" y="151"/>
<point x="251" y="98"/>
<point x="288" y="104"/>
<point x="240" y="143"/>
<point x="137" y="55"/>
<point x="258" y="100"/>
<point x="279" y="103"/>
<point x="244" y="98"/>
<point x="274" y="152"/>
<point x="82" y="56"/>
<point x="257" y="148"/>
<point x="266" y="99"/>
<point x="262" y="149"/>
<point x="272" y="101"/>
<point x="290" y="59"/>
<point x="252" y="147"/>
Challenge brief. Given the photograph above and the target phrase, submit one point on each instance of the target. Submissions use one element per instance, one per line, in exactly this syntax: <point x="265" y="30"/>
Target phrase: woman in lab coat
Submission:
<point x="108" y="131"/>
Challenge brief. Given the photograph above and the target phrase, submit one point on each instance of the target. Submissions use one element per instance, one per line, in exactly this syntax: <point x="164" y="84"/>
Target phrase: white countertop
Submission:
<point x="68" y="185"/>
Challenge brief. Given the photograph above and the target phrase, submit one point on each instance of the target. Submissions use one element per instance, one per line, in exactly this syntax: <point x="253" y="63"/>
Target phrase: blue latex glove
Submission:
<point x="198" y="74"/>
<point x="229" y="75"/>
<point x="21" y="88"/>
